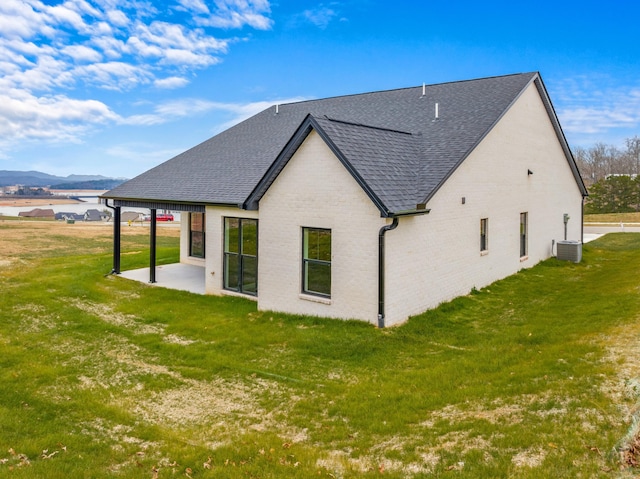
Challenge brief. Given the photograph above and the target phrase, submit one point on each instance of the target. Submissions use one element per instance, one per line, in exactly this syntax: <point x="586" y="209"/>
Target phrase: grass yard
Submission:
<point x="536" y="376"/>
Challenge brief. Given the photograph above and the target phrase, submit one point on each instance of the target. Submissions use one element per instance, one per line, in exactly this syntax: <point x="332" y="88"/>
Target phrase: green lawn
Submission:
<point x="535" y="376"/>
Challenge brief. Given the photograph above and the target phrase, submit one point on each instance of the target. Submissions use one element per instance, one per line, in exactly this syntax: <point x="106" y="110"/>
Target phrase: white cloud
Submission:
<point x="116" y="76"/>
<point x="197" y="6"/>
<point x="25" y="117"/>
<point x="82" y="53"/>
<point x="51" y="49"/>
<point x="19" y="20"/>
<point x="63" y="15"/>
<point x="596" y="105"/>
<point x="238" y="13"/>
<point x="171" y="83"/>
<point x="320" y="17"/>
<point x="118" y="18"/>
<point x="111" y="47"/>
<point x="176" y="109"/>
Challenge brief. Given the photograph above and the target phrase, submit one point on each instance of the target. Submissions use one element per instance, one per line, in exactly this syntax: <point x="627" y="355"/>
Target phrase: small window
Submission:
<point x="196" y="235"/>
<point x="484" y="234"/>
<point x="316" y="261"/>
<point x="523" y="235"/>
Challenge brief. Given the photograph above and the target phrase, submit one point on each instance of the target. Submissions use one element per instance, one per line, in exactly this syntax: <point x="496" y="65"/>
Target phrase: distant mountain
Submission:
<point x="37" y="179"/>
<point x="106" y="184"/>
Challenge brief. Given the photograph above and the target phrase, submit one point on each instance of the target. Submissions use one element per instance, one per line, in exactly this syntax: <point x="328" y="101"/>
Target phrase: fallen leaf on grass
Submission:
<point x="595" y="449"/>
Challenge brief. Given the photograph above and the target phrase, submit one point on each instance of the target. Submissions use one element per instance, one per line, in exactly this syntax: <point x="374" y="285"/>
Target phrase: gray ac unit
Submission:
<point x="569" y="251"/>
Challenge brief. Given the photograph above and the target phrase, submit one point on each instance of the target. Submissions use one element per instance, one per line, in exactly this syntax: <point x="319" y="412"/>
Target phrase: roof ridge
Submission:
<point x="335" y="120"/>
<point x="408" y="88"/>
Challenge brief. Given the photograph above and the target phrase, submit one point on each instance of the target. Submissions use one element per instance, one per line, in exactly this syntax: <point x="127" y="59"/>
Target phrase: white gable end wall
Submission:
<point x="315" y="190"/>
<point x="435" y="258"/>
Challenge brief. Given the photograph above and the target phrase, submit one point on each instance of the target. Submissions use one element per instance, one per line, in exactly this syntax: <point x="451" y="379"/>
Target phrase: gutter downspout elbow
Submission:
<point x="381" y="270"/>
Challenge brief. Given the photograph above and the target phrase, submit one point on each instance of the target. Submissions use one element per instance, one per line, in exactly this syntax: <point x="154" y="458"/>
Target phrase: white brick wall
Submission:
<point x="315" y="190"/>
<point x="437" y="257"/>
<point x="214" y="218"/>
<point x="184" y="242"/>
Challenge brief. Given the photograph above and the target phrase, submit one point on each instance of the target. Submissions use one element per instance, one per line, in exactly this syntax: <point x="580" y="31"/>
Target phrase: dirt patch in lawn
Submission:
<point x="624" y="390"/>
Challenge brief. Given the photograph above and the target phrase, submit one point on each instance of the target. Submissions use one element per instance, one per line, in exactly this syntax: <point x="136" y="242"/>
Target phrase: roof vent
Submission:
<point x="436" y="113"/>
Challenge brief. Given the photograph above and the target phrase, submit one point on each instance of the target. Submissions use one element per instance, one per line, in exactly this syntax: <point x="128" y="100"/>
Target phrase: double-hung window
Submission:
<point x="241" y="255"/>
<point x="316" y="261"/>
<point x="523" y="235"/>
<point x="196" y="235"/>
<point x="484" y="235"/>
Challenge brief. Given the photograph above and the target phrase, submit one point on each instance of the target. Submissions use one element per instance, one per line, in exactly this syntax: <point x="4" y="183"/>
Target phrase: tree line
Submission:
<point x="612" y="176"/>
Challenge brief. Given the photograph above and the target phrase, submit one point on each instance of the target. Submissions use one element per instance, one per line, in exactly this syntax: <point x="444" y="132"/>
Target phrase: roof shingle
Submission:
<point x="391" y="139"/>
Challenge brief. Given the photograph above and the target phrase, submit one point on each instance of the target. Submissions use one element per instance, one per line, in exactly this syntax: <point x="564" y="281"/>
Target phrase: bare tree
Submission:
<point x="633" y="154"/>
<point x="601" y="160"/>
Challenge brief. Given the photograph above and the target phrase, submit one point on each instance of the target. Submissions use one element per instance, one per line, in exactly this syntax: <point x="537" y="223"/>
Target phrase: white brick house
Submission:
<point x="376" y="206"/>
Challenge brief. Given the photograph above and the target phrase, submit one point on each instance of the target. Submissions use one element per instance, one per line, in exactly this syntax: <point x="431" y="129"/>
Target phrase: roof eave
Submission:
<point x="416" y="212"/>
<point x="168" y="204"/>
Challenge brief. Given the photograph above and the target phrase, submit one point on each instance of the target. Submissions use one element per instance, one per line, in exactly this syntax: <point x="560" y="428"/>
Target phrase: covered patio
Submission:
<point x="179" y="276"/>
<point x="184" y="277"/>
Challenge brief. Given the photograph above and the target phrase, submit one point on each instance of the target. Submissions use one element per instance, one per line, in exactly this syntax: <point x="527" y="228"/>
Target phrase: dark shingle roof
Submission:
<point x="390" y="139"/>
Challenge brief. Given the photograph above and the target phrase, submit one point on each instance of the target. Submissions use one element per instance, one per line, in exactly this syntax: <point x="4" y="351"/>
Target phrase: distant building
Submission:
<point x="95" y="215"/>
<point x="47" y="213"/>
<point x="70" y="216"/>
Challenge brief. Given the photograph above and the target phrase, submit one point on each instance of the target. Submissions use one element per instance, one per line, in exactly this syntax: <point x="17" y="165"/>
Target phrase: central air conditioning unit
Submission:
<point x="569" y="251"/>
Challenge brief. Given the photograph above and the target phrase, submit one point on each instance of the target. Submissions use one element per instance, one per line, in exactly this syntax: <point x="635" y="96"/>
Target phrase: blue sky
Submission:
<point x="115" y="87"/>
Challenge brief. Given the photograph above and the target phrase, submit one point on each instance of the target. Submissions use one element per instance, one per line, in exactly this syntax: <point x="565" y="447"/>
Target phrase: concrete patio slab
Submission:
<point x="184" y="277"/>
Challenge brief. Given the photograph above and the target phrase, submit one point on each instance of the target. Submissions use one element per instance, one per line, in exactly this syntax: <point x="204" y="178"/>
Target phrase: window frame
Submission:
<point x="202" y="232"/>
<point x="308" y="262"/>
<point x="238" y="252"/>
<point x="484" y="235"/>
<point x="524" y="234"/>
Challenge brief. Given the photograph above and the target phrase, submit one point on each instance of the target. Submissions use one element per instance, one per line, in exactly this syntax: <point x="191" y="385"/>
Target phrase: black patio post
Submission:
<point x="152" y="259"/>
<point x="116" y="239"/>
